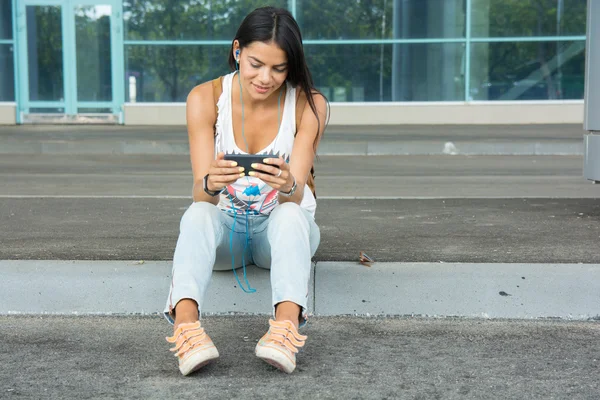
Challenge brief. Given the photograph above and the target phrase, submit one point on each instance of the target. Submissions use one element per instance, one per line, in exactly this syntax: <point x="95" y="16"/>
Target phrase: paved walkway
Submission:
<point x="338" y="140"/>
<point x="344" y="358"/>
<point x="461" y="231"/>
<point x="89" y="221"/>
<point x="390" y="230"/>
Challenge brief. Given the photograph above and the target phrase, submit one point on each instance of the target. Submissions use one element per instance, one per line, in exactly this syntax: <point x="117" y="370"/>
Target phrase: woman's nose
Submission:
<point x="264" y="76"/>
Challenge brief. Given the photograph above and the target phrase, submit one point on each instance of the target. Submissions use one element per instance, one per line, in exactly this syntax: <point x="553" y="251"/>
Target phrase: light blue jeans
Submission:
<point x="283" y="242"/>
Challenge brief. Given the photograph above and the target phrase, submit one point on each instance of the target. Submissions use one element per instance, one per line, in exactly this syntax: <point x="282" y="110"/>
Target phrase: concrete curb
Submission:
<point x="334" y="147"/>
<point x="568" y="291"/>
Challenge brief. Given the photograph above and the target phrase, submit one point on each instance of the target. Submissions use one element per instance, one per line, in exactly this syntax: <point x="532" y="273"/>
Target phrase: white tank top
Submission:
<point x="251" y="194"/>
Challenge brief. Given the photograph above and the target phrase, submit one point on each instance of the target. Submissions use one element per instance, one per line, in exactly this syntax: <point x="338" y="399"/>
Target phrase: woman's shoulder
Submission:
<point x="200" y="103"/>
<point x="316" y="95"/>
<point x="208" y="90"/>
<point x="202" y="89"/>
<point x="205" y="94"/>
<point x="311" y="116"/>
<point x="319" y="100"/>
<point x="199" y="91"/>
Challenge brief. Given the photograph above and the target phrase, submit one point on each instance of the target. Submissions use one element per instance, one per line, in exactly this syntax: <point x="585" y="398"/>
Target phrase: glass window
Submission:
<point x="168" y="73"/>
<point x="187" y="19"/>
<point x="498" y="18"/>
<point x="376" y="19"/>
<point x="527" y="71"/>
<point x="345" y="19"/>
<point x="390" y="72"/>
<point x="371" y="72"/>
<point x="408" y="72"/>
<point x="6" y="19"/>
<point x="7" y="73"/>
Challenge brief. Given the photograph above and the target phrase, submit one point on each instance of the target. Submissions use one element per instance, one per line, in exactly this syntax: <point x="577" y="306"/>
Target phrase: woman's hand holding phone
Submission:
<point x="222" y="173"/>
<point x="275" y="172"/>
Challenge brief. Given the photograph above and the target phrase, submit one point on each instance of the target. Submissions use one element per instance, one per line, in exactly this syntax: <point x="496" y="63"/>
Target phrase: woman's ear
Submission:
<point x="236" y="50"/>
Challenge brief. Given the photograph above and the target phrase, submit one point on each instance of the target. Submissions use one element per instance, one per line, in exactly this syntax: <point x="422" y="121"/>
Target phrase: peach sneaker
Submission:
<point x="193" y="347"/>
<point x="280" y="344"/>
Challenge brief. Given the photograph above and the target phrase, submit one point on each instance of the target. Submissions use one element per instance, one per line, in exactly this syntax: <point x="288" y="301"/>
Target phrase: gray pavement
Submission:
<point x="338" y="140"/>
<point x="504" y="233"/>
<point x="440" y="176"/>
<point x="504" y="209"/>
<point x="344" y="358"/>
<point x="431" y="230"/>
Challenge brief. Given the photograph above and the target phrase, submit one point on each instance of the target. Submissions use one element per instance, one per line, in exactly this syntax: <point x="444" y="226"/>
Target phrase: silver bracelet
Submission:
<point x="292" y="190"/>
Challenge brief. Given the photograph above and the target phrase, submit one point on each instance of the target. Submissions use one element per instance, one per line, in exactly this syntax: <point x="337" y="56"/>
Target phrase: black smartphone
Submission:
<point x="246" y="161"/>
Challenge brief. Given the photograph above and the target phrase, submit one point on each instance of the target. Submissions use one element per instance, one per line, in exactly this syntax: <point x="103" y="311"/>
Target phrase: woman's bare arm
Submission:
<point x="201" y="116"/>
<point x="303" y="153"/>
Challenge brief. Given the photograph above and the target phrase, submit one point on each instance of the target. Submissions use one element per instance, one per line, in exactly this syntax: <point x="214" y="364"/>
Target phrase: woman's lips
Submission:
<point x="261" y="89"/>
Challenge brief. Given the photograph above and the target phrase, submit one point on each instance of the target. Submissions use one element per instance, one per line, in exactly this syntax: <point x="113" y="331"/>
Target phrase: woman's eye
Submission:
<point x="279" y="70"/>
<point x="255" y="66"/>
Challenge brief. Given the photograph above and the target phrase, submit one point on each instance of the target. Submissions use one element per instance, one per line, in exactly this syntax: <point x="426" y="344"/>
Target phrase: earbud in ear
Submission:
<point x="237" y="55"/>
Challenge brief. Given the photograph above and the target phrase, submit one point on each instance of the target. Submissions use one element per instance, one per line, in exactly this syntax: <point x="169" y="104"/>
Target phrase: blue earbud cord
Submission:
<point x="250" y="289"/>
<point x="237" y="278"/>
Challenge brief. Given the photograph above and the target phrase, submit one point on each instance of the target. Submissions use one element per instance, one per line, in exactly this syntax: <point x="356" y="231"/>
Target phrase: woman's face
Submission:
<point x="263" y="68"/>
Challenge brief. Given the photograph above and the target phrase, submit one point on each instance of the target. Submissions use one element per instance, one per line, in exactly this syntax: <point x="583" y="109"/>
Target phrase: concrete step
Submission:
<point x="567" y="291"/>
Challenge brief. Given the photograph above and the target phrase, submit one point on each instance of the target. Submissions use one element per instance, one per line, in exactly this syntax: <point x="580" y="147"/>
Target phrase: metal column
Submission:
<point x="591" y="166"/>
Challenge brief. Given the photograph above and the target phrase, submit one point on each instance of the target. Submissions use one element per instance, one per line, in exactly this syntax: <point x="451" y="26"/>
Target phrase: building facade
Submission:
<point x="378" y="61"/>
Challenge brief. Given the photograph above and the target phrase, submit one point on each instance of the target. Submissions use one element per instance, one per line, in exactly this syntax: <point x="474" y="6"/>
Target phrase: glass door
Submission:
<point x="70" y="59"/>
<point x="42" y="73"/>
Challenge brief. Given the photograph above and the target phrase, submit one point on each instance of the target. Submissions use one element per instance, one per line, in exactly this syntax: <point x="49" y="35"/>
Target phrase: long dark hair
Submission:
<point x="270" y="24"/>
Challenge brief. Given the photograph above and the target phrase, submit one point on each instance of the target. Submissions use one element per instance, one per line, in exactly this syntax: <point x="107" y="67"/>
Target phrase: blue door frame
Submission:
<point x="69" y="103"/>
